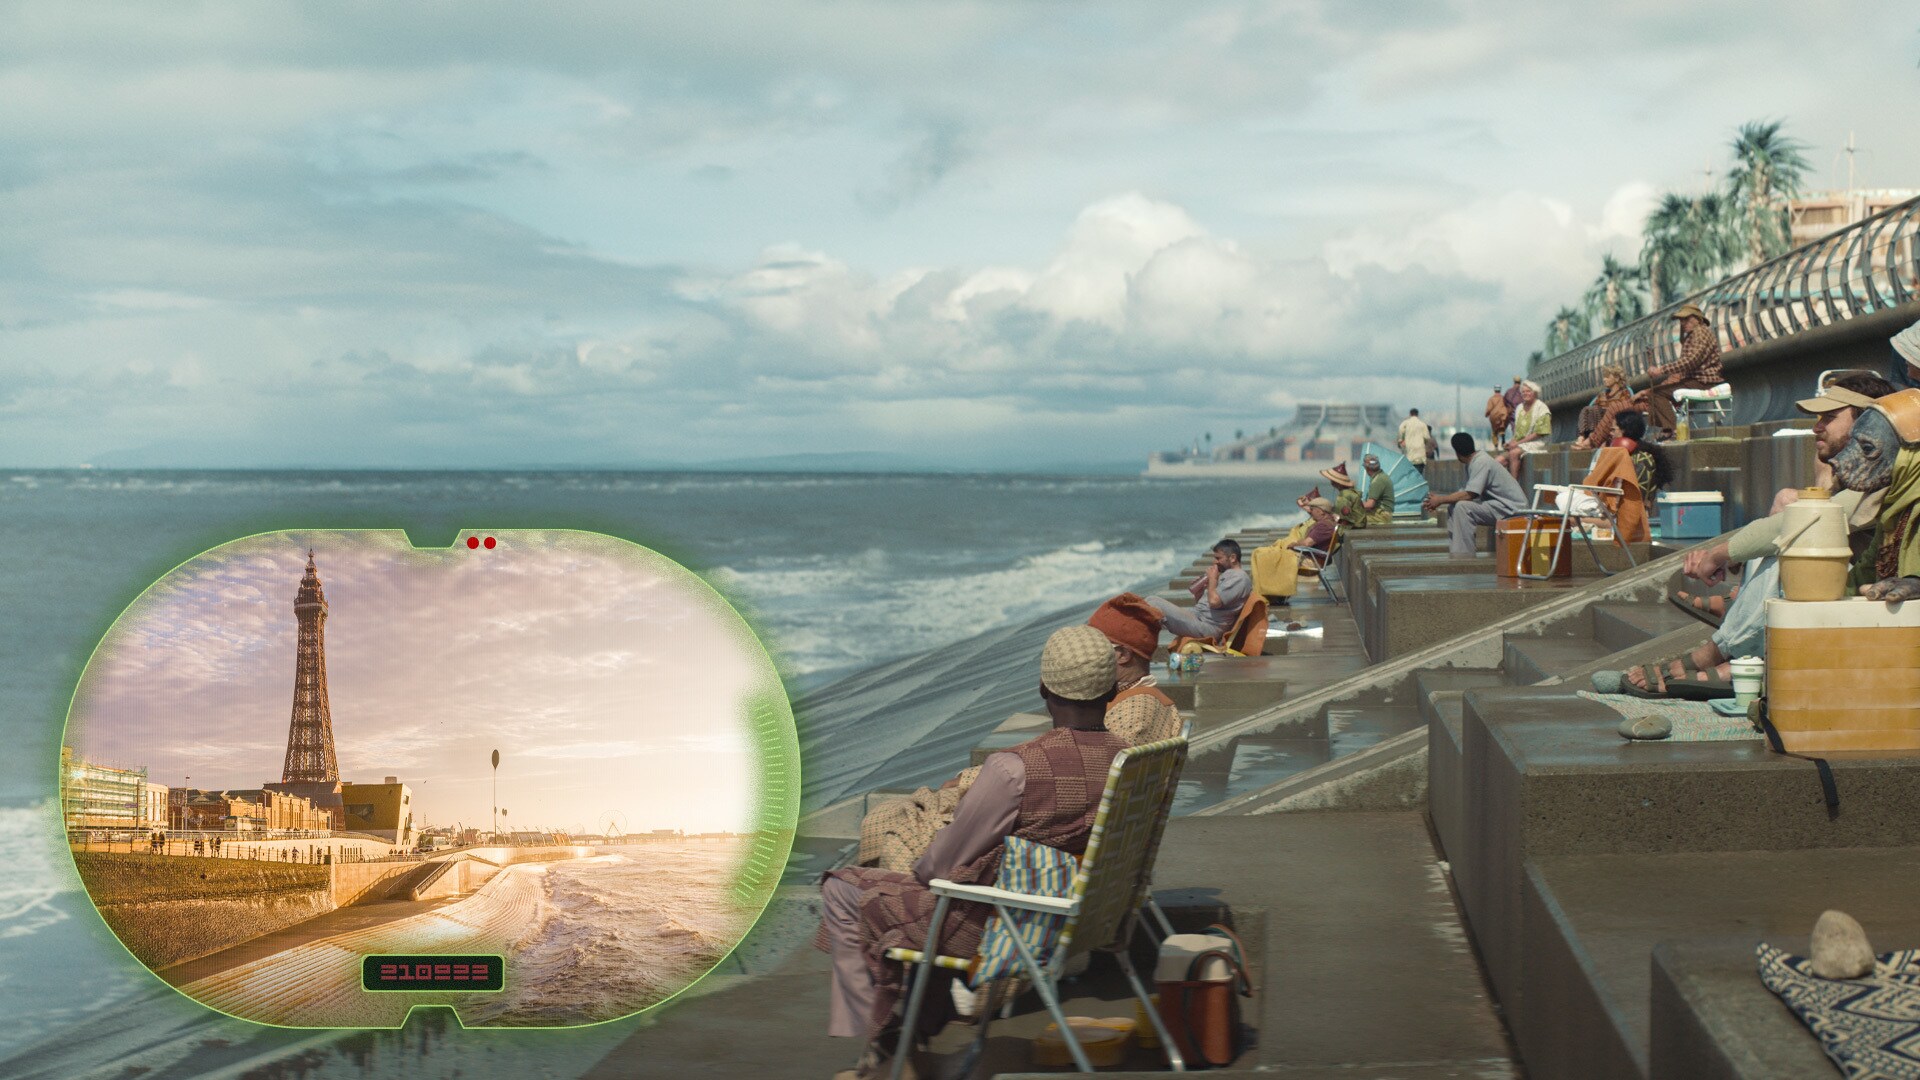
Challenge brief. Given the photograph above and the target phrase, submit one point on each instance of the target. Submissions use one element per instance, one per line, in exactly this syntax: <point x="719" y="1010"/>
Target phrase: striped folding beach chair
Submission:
<point x="1099" y="912"/>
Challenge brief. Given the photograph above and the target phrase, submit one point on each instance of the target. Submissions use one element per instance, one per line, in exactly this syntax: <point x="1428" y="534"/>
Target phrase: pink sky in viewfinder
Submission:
<point x="610" y="680"/>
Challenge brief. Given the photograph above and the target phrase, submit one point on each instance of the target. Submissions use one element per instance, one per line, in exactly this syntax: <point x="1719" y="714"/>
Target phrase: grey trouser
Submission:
<point x="1462" y="519"/>
<point x="1182" y="622"/>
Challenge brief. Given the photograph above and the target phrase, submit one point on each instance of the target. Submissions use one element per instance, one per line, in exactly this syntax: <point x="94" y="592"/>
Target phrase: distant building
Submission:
<point x="384" y="809"/>
<point x="95" y="796"/>
<point x="1319" y="431"/>
<point x="1821" y="213"/>
<point x="153" y="806"/>
<point x="245" y="810"/>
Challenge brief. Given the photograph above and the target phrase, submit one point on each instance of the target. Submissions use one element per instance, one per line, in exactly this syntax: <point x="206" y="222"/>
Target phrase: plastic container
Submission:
<point x="1104" y="1039"/>
<point x="1690" y="515"/>
<point x="1844" y="674"/>
<point x="1814" y="555"/>
<point x="1511" y="561"/>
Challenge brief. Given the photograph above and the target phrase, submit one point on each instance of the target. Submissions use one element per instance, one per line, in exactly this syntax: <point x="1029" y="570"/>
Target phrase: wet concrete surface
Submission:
<point x="1364" y="963"/>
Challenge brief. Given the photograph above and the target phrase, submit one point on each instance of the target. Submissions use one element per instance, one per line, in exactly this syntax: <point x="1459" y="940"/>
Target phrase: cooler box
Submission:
<point x="1844" y="674"/>
<point x="1512" y="557"/>
<point x="1690" y="515"/>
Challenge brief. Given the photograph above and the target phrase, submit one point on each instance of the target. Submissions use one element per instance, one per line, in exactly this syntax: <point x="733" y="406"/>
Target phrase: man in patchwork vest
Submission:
<point x="1045" y="790"/>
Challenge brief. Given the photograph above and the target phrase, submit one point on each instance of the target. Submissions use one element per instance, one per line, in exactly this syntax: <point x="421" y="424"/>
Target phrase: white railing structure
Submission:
<point x="1870" y="266"/>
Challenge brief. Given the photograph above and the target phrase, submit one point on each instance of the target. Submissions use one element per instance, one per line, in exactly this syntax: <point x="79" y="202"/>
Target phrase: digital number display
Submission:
<point x="469" y="973"/>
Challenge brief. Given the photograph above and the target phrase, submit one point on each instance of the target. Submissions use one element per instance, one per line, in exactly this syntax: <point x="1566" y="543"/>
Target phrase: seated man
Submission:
<point x="1377" y="505"/>
<point x="1346" y="499"/>
<point x="895" y="834"/>
<point x="1278" y="566"/>
<point x="1489" y="494"/>
<point x="1319" y="535"/>
<point x="1218" y="597"/>
<point x="1532" y="428"/>
<point x="1045" y="790"/>
<point x="1858" y="470"/>
<point x="1697" y="369"/>
<point x="1141" y="712"/>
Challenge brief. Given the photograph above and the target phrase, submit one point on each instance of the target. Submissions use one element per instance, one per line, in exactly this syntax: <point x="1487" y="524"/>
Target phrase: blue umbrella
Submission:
<point x="1409" y="487"/>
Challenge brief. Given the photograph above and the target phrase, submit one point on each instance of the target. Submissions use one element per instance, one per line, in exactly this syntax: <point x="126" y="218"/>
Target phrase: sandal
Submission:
<point x="1689" y="686"/>
<point x="1708" y="603"/>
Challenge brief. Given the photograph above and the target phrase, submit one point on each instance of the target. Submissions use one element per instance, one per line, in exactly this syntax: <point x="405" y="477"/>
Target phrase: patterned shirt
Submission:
<point x="1699" y="357"/>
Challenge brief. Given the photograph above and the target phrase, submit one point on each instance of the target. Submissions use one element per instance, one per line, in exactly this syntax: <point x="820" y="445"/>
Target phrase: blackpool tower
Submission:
<point x="310" y="734"/>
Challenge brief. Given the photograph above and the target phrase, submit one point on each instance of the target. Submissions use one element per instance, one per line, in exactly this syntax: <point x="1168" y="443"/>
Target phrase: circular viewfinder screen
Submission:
<point x="315" y="779"/>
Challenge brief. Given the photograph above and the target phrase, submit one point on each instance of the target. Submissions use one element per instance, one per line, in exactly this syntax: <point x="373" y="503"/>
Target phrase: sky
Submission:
<point x="611" y="681"/>
<point x="979" y="234"/>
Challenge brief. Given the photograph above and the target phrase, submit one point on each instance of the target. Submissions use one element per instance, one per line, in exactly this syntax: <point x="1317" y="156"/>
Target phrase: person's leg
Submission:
<point x="1463" y="519"/>
<point x="1660" y="412"/>
<point x="1180" y="621"/>
<point x="1743" y="632"/>
<point x="850" y="1000"/>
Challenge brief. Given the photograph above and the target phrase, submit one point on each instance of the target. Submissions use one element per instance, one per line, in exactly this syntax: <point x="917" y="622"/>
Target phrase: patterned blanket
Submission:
<point x="1870" y="1026"/>
<point x="1693" y="721"/>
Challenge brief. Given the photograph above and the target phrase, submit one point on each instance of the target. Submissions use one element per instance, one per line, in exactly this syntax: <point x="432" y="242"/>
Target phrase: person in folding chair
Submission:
<point x="895" y="834"/>
<point x="1045" y="790"/>
<point x="1218" y="597"/>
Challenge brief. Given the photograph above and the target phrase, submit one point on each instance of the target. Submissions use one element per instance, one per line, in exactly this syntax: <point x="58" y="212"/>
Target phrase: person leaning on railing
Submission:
<point x="1697" y="369"/>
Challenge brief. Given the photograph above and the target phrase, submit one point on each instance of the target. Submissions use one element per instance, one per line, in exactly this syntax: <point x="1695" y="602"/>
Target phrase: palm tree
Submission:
<point x="1768" y="170"/>
<point x="1613" y="300"/>
<point x="1568" y="328"/>
<point x="1534" y="358"/>
<point x="1687" y="246"/>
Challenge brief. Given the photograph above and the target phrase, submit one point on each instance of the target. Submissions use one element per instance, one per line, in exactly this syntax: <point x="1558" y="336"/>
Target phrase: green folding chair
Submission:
<point x="1110" y="887"/>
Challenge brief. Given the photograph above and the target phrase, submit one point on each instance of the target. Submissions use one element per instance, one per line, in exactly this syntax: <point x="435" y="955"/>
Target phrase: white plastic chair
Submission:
<point x="1575" y="505"/>
<point x="1708" y="403"/>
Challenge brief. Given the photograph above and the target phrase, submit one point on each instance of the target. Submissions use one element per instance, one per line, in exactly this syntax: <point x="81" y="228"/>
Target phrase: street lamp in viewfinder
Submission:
<point x="496" y="795"/>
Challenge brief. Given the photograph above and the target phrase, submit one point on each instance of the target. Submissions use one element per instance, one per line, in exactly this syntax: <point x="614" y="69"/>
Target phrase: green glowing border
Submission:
<point x="772" y="731"/>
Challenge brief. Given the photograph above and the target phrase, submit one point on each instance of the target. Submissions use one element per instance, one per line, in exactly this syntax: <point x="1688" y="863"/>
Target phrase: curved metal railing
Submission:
<point x="1869" y="266"/>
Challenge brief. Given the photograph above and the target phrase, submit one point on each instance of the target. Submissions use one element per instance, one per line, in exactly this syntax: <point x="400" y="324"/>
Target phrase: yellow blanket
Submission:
<point x="1276" y="567"/>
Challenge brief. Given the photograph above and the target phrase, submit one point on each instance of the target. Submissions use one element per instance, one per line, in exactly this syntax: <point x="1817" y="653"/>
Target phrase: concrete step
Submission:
<point x="1624" y="624"/>
<point x="1594" y="922"/>
<point x="1434" y="681"/>
<point x="1530" y="659"/>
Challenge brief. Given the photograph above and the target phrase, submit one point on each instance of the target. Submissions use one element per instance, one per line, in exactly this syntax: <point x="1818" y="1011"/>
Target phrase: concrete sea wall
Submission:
<point x="169" y="910"/>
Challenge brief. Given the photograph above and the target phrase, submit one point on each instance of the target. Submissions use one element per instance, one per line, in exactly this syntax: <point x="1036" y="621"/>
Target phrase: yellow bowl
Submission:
<point x="1103" y="1038"/>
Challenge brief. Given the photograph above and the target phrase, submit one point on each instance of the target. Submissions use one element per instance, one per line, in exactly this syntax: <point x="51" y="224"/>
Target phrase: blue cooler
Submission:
<point x="1690" y="515"/>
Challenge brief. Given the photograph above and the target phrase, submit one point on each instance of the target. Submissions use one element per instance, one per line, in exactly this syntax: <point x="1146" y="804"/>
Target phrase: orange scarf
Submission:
<point x="1614" y="468"/>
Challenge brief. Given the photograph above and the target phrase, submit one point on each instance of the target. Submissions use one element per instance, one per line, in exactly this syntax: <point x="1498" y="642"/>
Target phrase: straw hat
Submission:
<point x="1907" y="344"/>
<point x="1686" y="310"/>
<point x="1338" y="475"/>
<point x="1321" y="504"/>
<point x="1077" y="663"/>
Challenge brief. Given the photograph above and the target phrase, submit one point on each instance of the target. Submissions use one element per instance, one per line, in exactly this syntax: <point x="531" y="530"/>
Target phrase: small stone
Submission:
<point x="1839" y="949"/>
<point x="1645" y="727"/>
<point x="1609" y="682"/>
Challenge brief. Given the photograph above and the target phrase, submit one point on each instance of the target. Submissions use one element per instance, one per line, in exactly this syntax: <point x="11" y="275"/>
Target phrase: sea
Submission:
<point x="847" y="578"/>
<point x="622" y="931"/>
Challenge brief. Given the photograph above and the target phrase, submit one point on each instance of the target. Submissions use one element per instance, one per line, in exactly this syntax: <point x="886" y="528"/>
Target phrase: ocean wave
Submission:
<point x="615" y="934"/>
<point x="827" y="614"/>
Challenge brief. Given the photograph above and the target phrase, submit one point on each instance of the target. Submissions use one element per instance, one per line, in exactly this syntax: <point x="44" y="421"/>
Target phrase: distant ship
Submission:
<point x="1319" y="431"/>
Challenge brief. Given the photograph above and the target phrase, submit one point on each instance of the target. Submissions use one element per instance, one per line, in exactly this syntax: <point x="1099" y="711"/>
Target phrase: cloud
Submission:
<point x="622" y="234"/>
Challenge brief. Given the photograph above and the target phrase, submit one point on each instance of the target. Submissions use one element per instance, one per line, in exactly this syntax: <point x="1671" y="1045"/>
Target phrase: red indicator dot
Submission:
<point x="489" y="543"/>
<point x="472" y="542"/>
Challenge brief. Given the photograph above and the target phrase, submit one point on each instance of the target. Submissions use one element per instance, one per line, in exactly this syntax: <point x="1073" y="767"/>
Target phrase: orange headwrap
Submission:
<point x="1129" y="622"/>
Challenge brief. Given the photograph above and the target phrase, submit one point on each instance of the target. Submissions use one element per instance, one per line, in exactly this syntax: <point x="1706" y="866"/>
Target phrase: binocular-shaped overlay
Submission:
<point x="317" y="779"/>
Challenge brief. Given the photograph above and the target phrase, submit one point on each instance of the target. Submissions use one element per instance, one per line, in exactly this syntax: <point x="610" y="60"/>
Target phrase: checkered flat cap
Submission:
<point x="1077" y="663"/>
